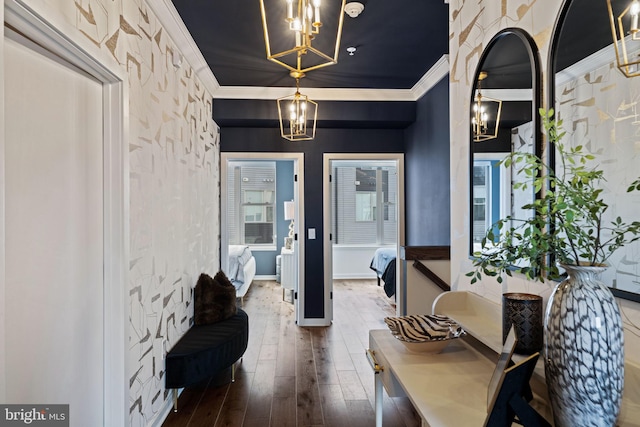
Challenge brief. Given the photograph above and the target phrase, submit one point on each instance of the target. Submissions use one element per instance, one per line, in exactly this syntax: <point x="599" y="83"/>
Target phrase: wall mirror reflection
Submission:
<point x="503" y="119"/>
<point x="600" y="109"/>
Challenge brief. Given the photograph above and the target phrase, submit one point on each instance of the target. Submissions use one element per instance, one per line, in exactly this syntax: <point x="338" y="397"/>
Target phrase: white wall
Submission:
<point x="352" y="262"/>
<point x="421" y="292"/>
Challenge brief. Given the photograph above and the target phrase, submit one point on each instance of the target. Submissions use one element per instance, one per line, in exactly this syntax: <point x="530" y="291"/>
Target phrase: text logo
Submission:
<point x="34" y="415"/>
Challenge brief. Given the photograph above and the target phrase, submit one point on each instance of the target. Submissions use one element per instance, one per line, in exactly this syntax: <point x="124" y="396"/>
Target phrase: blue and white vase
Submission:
<point x="584" y="350"/>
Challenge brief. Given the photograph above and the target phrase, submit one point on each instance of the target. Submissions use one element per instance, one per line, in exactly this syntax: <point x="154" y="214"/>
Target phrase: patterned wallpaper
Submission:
<point x="472" y="25"/>
<point x="174" y="181"/>
<point x="600" y="112"/>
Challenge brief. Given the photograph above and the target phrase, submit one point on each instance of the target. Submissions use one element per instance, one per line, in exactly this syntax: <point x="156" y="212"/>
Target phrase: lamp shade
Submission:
<point x="289" y="210"/>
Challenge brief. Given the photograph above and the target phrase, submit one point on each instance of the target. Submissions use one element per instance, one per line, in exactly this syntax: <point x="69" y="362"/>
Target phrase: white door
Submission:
<point x="54" y="233"/>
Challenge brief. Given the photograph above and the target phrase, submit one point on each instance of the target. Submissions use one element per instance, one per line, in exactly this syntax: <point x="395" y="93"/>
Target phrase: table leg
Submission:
<point x="378" y="397"/>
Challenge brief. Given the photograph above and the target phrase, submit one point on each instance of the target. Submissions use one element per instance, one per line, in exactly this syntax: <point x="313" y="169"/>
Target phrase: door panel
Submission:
<point x="54" y="233"/>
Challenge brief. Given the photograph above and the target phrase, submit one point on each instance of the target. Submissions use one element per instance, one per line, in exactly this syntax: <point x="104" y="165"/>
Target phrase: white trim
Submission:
<point x="265" y="277"/>
<point x="326" y="223"/>
<point x="437" y="72"/>
<point x="605" y="56"/>
<point x="317" y="94"/>
<point x="173" y="24"/>
<point x="115" y="99"/>
<point x="509" y="94"/>
<point x="312" y="322"/>
<point x="3" y="363"/>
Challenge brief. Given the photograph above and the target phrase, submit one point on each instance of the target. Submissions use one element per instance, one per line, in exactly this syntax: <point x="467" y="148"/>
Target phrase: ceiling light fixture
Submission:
<point x="298" y="115"/>
<point x="483" y="109"/>
<point x="351" y="50"/>
<point x="294" y="30"/>
<point x="625" y="31"/>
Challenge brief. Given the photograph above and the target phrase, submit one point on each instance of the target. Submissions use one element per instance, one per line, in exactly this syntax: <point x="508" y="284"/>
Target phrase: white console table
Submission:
<point x="450" y="388"/>
<point x="288" y="271"/>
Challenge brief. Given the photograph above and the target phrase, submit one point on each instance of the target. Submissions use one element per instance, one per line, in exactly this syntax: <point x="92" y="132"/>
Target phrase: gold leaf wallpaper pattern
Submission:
<point x="174" y="194"/>
<point x="472" y="25"/>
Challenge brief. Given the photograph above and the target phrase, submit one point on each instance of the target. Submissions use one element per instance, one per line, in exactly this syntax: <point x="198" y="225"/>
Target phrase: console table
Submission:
<point x="450" y="388"/>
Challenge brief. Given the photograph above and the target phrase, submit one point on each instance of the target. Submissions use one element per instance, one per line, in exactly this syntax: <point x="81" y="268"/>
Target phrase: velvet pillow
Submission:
<point x="214" y="299"/>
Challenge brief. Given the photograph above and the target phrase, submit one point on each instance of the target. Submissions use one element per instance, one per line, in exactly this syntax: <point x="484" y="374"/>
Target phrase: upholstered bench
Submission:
<point x="206" y="350"/>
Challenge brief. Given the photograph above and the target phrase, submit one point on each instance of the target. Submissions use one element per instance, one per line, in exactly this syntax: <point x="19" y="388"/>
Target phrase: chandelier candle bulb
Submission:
<point x="316" y="6"/>
<point x="633" y="11"/>
<point x="289" y="10"/>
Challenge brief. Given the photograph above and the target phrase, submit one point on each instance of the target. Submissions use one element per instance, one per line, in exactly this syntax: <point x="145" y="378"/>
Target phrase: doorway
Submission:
<point x="256" y="191"/>
<point x="64" y="222"/>
<point x="363" y="211"/>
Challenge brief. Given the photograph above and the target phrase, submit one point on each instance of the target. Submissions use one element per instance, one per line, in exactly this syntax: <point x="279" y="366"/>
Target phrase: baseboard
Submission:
<point x="265" y="277"/>
<point x="355" y="276"/>
<point x="165" y="410"/>
<point x="314" y="322"/>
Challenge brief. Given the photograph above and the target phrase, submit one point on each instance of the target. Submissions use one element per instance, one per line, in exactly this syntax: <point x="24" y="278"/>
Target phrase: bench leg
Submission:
<point x="175" y="399"/>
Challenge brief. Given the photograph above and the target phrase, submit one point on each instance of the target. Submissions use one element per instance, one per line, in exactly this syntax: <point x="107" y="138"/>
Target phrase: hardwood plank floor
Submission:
<point x="295" y="376"/>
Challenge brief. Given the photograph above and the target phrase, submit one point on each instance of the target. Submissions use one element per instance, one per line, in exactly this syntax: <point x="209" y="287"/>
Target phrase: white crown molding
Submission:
<point x="436" y="73"/>
<point x="317" y="94"/>
<point x="509" y="94"/>
<point x="168" y="16"/>
<point x="604" y="56"/>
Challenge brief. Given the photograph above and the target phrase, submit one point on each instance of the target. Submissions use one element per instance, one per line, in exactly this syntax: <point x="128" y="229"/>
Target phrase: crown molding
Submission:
<point x="170" y="19"/>
<point x="509" y="94"/>
<point x="317" y="94"/>
<point x="605" y="56"/>
<point x="168" y="16"/>
<point x="437" y="72"/>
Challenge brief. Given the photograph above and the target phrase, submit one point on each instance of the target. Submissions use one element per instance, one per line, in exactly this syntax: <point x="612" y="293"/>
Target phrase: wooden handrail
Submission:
<point x="431" y="275"/>
<point x="412" y="253"/>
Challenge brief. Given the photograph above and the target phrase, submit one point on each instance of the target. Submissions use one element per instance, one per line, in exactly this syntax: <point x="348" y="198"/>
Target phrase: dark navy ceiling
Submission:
<point x="397" y="42"/>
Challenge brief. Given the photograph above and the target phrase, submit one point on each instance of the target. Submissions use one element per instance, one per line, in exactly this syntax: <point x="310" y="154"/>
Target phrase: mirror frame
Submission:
<point x="551" y="101"/>
<point x="536" y="86"/>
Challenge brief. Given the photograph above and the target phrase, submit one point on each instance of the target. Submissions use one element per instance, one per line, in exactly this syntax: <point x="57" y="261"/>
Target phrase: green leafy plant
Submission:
<point x="567" y="225"/>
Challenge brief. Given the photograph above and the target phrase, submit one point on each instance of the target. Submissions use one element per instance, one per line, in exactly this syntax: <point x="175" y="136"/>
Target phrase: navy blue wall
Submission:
<point x="418" y="129"/>
<point x="248" y="139"/>
<point x="266" y="260"/>
<point x="427" y="201"/>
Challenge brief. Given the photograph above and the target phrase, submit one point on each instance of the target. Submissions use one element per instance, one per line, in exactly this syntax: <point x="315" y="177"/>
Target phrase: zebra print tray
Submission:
<point x="424" y="328"/>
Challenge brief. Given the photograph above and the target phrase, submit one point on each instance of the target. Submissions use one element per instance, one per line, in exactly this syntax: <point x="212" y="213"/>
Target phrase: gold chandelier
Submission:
<point x="294" y="30"/>
<point x="624" y="29"/>
<point x="483" y="107"/>
<point x="298" y="115"/>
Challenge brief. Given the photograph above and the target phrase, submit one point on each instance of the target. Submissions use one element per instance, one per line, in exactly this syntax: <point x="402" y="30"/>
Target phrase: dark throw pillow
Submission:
<point x="214" y="299"/>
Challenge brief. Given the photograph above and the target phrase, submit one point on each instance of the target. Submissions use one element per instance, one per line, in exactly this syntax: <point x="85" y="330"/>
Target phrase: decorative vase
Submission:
<point x="584" y="350"/>
<point x="524" y="312"/>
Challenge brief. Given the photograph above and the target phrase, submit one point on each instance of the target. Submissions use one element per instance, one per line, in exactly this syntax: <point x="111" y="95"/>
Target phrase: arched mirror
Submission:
<point x="504" y="104"/>
<point x="600" y="108"/>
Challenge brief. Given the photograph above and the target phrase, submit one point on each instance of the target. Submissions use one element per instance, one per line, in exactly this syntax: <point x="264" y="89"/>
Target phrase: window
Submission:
<point x="481" y="200"/>
<point x="363" y="202"/>
<point x="251" y="206"/>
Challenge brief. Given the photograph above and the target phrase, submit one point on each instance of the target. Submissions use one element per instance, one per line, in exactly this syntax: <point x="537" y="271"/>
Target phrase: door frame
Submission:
<point x="328" y="242"/>
<point x="298" y="191"/>
<point x="115" y="183"/>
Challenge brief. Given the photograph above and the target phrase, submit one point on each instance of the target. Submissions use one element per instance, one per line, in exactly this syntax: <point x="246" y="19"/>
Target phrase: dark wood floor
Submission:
<point x="295" y="376"/>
